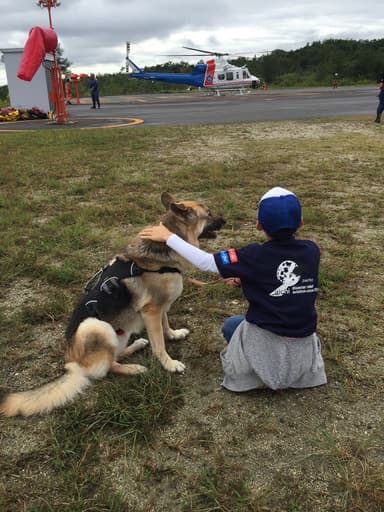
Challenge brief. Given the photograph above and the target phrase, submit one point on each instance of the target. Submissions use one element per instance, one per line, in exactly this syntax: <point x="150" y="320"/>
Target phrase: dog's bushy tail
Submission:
<point x="54" y="394"/>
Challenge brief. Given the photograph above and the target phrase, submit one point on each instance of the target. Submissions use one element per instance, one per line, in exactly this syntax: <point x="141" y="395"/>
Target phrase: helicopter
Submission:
<point x="216" y="74"/>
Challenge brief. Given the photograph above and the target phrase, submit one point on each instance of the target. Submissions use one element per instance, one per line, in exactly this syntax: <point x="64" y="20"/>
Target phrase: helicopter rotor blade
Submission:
<point x="181" y="55"/>
<point x="197" y="50"/>
<point x="207" y="52"/>
<point x="203" y="53"/>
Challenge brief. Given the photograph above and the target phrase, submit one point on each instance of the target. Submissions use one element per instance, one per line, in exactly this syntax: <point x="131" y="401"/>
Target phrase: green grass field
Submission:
<point x="69" y="199"/>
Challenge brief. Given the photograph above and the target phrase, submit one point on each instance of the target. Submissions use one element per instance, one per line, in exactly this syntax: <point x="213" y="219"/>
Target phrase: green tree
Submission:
<point x="62" y="61"/>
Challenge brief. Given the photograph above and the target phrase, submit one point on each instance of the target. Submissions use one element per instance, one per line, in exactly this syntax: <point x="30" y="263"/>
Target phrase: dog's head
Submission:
<point x="191" y="220"/>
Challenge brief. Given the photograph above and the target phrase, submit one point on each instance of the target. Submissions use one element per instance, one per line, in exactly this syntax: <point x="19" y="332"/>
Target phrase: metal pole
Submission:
<point x="49" y="15"/>
<point x="127" y="56"/>
<point x="56" y="75"/>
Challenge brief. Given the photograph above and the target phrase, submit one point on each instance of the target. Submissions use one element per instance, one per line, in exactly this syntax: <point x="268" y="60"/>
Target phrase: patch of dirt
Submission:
<point x="219" y="146"/>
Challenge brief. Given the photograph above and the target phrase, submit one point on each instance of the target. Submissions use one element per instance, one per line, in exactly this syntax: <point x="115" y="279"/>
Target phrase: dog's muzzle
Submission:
<point x="213" y="225"/>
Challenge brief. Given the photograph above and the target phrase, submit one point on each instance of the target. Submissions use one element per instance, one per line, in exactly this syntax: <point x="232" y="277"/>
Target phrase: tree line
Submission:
<point x="355" y="61"/>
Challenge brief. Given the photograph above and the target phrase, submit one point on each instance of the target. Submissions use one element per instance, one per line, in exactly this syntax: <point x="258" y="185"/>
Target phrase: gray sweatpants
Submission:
<point x="256" y="358"/>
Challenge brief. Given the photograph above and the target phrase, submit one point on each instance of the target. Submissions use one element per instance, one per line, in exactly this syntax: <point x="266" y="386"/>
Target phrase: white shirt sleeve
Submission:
<point x="199" y="258"/>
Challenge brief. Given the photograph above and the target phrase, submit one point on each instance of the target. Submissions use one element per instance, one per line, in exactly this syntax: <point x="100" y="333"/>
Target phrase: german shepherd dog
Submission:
<point x="134" y="291"/>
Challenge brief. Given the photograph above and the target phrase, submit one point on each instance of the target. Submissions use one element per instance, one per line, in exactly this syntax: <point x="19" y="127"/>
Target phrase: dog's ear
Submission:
<point x="181" y="210"/>
<point x="167" y="199"/>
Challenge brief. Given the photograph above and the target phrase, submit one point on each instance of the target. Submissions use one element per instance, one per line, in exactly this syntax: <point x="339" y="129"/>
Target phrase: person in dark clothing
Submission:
<point x="380" y="106"/>
<point x="335" y="80"/>
<point x="94" y="88"/>
<point x="68" y="91"/>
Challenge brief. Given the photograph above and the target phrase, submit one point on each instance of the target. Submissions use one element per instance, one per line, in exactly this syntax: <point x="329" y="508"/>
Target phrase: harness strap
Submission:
<point x="163" y="270"/>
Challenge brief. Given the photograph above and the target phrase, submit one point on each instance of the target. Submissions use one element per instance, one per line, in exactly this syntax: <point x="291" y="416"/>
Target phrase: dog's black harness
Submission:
<point x="110" y="276"/>
<point x="105" y="294"/>
<point x="108" y="281"/>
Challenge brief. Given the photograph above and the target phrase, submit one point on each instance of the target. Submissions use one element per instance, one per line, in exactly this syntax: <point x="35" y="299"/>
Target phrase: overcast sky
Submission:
<point x="93" y="33"/>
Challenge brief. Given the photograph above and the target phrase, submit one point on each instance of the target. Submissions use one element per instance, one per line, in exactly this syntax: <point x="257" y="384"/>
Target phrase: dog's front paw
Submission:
<point x="138" y="368"/>
<point x="139" y="344"/>
<point x="175" y="366"/>
<point x="177" y="334"/>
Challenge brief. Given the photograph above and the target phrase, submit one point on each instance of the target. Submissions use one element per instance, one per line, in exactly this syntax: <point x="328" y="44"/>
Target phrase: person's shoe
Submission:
<point x="378" y="118"/>
<point x="93" y="107"/>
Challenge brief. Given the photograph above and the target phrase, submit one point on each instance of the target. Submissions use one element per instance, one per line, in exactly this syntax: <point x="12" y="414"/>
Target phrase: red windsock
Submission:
<point x="40" y="42"/>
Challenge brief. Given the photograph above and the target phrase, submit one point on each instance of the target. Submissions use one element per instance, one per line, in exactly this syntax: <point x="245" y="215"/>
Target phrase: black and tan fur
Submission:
<point x="94" y="346"/>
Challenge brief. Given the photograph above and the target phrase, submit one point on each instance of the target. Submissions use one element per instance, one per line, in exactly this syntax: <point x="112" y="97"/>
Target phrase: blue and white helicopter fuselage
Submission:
<point x="215" y="74"/>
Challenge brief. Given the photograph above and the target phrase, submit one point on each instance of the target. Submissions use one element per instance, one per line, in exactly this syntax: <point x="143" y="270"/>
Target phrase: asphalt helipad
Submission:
<point x="201" y="108"/>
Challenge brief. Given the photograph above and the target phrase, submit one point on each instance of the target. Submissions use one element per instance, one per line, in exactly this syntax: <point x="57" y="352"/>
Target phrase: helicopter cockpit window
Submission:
<point x="245" y="74"/>
<point x="221" y="76"/>
<point x="229" y="75"/>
